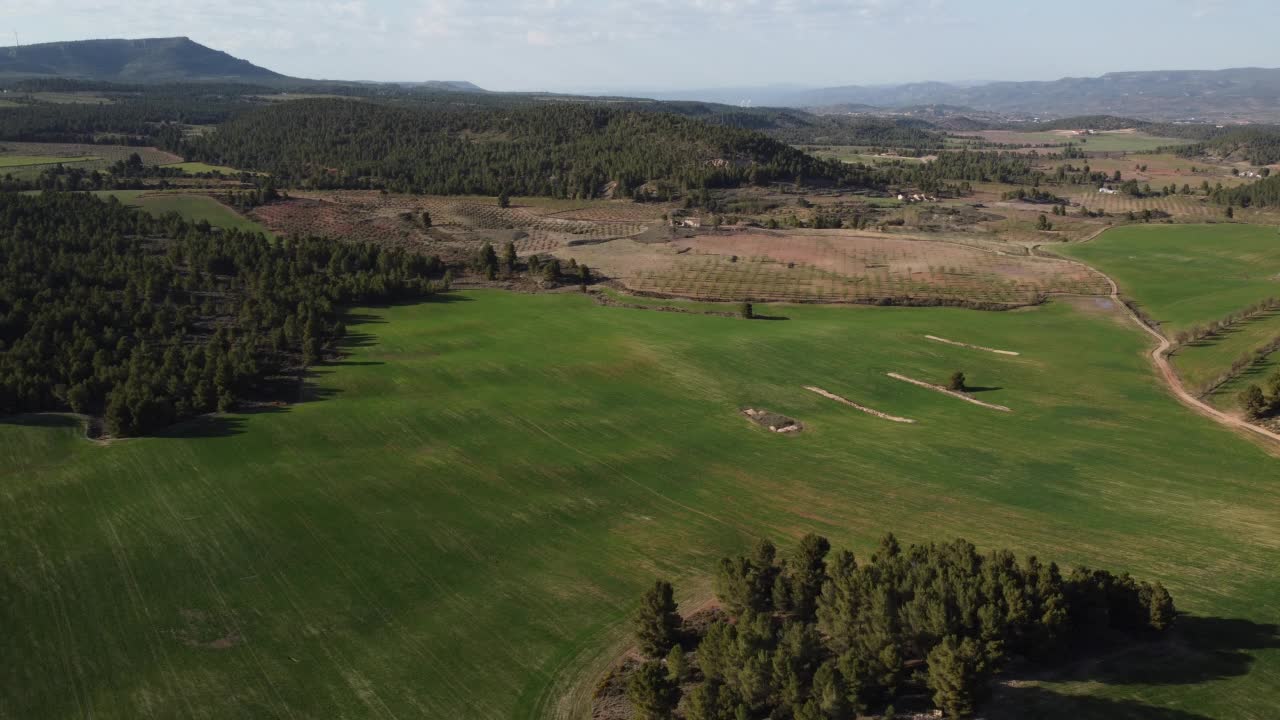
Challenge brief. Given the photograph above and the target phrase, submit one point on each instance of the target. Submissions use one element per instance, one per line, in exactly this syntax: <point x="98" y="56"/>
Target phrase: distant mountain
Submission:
<point x="1220" y="95"/>
<point x="455" y="85"/>
<point x="130" y="61"/>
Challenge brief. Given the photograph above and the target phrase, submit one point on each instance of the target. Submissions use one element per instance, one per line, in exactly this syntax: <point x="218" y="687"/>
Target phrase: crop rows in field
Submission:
<point x="839" y="267"/>
<point x="1176" y="205"/>
<point x="717" y="277"/>
<point x="372" y="216"/>
<point x="610" y="212"/>
<point x="867" y="266"/>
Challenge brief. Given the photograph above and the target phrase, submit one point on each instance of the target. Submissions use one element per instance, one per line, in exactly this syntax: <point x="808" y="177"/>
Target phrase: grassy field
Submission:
<point x="1185" y="275"/>
<point x="192" y="207"/>
<point x="10" y="161"/>
<point x="1116" y="141"/>
<point x="1204" y="361"/>
<point x="194" y="168"/>
<point x="1188" y="274"/>
<point x="1227" y="397"/>
<point x="459" y="522"/>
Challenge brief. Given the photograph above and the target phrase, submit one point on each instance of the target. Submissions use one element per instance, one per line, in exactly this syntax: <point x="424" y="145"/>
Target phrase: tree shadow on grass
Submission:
<point x="770" y="317"/>
<point x="352" y="340"/>
<point x="43" y="420"/>
<point x="1254" y="370"/>
<point x="1022" y="703"/>
<point x="981" y="389"/>
<point x="1199" y="649"/>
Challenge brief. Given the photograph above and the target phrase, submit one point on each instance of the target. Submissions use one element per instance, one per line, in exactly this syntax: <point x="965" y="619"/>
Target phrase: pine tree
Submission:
<point x="657" y="624"/>
<point x="807" y="571"/>
<point x="651" y="694"/>
<point x="509" y="256"/>
<point x="958" y="674"/>
<point x="1160" y="609"/>
<point x="1252" y="401"/>
<point x="677" y="665"/>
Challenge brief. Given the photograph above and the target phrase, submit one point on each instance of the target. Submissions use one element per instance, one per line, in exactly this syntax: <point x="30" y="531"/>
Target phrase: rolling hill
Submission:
<point x="131" y="61"/>
<point x="554" y="149"/>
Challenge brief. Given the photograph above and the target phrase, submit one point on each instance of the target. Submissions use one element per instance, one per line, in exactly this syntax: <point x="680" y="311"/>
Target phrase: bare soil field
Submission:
<point x="1162" y="169"/>
<point x="832" y="266"/>
<point x="458" y="225"/>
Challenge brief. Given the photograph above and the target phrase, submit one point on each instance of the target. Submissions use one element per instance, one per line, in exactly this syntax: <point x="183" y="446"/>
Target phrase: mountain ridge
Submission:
<point x="1245" y="93"/>
<point x="130" y="60"/>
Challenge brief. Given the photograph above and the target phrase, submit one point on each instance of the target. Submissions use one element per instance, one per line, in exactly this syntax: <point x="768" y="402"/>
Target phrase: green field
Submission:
<point x="1102" y="142"/>
<point x="1188" y="274"/>
<point x="460" y="520"/>
<point x="194" y="168"/>
<point x="192" y="207"/>
<point x="1184" y="275"/>
<point x="1205" y="361"/>
<point x="12" y="161"/>
<point x="1227" y="397"/>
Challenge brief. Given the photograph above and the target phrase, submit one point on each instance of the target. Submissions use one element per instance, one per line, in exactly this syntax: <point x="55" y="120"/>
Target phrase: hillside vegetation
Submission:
<point x="557" y="150"/>
<point x="142" y="60"/>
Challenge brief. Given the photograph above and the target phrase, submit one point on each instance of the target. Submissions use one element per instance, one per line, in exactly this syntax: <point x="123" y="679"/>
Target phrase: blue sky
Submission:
<point x="575" y="45"/>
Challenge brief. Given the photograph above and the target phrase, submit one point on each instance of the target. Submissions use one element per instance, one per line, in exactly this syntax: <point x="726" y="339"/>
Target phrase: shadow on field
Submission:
<point x="981" y="389"/>
<point x="1198" y="650"/>
<point x="42" y="420"/>
<point x="205" y="426"/>
<point x="770" y="317"/>
<point x="1020" y="703"/>
<point x="1254" y="371"/>
<point x="1227" y="332"/>
<point x="273" y="396"/>
<point x="357" y="340"/>
<point x="1201" y="649"/>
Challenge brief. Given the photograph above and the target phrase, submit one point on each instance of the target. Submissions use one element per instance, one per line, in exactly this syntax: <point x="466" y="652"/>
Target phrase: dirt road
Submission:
<point x="1160" y="358"/>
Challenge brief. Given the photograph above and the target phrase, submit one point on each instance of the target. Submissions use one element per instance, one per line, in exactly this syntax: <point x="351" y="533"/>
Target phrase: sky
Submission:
<point x="616" y="45"/>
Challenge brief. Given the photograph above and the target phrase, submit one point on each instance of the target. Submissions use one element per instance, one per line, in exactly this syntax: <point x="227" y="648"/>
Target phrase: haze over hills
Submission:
<point x="1237" y="93"/>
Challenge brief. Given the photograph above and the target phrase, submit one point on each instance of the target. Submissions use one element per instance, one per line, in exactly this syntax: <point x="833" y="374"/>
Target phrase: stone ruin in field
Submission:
<point x="773" y="422"/>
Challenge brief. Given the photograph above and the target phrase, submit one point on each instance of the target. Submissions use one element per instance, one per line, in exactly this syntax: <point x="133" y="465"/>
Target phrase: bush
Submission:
<point x="957" y="382"/>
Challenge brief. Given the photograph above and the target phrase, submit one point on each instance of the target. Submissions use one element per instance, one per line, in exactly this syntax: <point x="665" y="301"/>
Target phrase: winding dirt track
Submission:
<point x="1160" y="358"/>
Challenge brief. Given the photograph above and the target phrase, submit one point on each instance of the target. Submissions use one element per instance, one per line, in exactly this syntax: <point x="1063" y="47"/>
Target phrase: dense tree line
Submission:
<point x="150" y="118"/>
<point x="821" y="637"/>
<point x="557" y="149"/>
<point x="1263" y="193"/>
<point x="912" y="137"/>
<point x="1259" y="145"/>
<point x="107" y="311"/>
